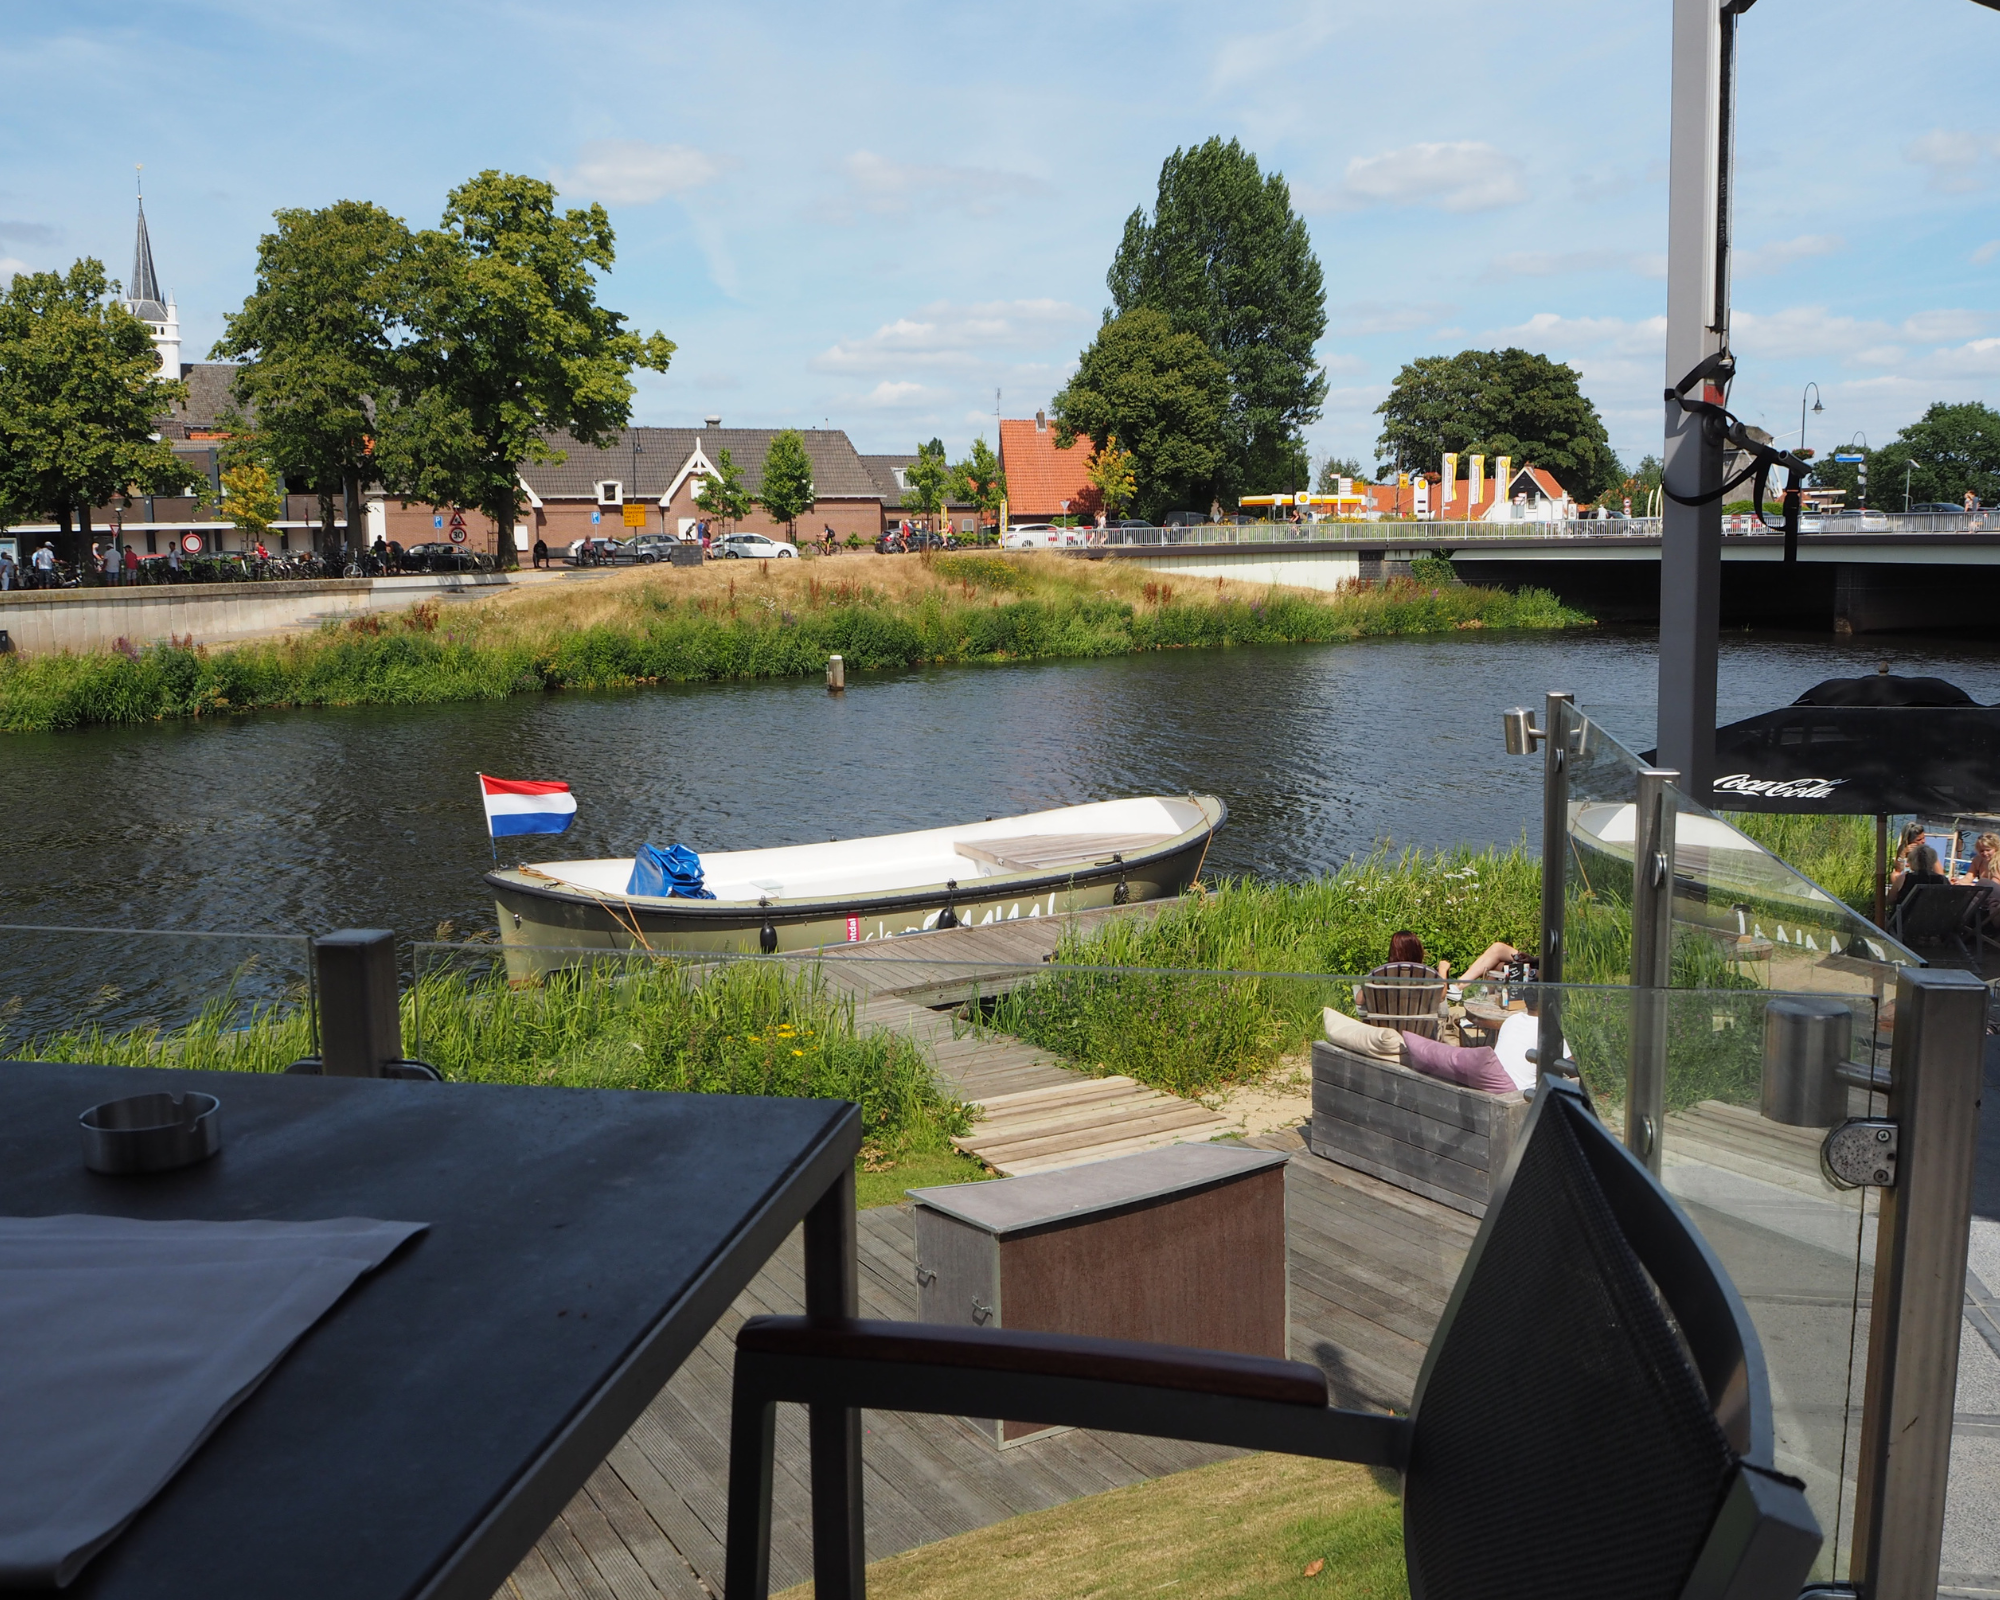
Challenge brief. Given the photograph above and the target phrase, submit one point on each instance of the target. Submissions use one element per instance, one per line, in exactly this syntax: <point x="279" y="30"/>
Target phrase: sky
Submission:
<point x="874" y="216"/>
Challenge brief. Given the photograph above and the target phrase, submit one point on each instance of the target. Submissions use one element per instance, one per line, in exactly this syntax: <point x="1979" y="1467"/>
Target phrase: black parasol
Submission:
<point x="1852" y="746"/>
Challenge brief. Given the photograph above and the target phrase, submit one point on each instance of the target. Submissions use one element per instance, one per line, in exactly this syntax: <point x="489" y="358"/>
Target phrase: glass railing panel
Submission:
<point x="159" y="997"/>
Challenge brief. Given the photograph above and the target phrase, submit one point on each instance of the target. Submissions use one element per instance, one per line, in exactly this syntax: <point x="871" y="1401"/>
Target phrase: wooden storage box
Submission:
<point x="1432" y="1138"/>
<point x="1184" y="1245"/>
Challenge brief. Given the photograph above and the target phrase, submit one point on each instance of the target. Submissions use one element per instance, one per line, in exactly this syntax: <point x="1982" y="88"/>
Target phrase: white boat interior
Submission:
<point x="1070" y="837"/>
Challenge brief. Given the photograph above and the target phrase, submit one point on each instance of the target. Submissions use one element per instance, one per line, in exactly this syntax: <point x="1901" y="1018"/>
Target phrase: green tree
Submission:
<point x="1333" y="469"/>
<point x="1226" y="259"/>
<point x="722" y="493"/>
<point x="315" y="338"/>
<point x="80" y="398"/>
<point x="505" y="344"/>
<point x="1945" y="452"/>
<point x="253" y="492"/>
<point x="1165" y="394"/>
<point x="1112" y="472"/>
<point x="978" y="480"/>
<point x="927" y="479"/>
<point x="1494" y="403"/>
<point x="787" y="488"/>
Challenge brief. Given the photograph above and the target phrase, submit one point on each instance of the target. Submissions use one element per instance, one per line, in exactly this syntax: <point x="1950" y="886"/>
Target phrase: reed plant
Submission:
<point x="736" y="620"/>
<point x="1837" y="853"/>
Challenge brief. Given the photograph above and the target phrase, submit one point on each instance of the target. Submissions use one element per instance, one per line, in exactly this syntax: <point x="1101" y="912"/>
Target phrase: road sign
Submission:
<point x="437" y="522"/>
<point x="191" y="543"/>
<point x="458" y="519"/>
<point x="458" y="535"/>
<point x="1849" y="459"/>
<point x="635" y="515"/>
<point x="596" y="517"/>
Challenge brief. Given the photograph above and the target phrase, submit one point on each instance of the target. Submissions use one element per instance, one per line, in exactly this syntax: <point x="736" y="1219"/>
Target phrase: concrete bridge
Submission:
<point x="1894" y="578"/>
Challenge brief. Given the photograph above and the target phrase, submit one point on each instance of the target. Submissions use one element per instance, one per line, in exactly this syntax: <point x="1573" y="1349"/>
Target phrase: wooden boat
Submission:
<point x="554" y="914"/>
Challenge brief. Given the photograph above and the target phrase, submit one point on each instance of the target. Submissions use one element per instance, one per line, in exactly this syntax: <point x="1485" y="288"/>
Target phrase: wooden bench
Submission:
<point x="1421" y="1134"/>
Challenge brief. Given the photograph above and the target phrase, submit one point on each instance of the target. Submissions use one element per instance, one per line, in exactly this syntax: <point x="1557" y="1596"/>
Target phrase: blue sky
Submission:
<point x="874" y="215"/>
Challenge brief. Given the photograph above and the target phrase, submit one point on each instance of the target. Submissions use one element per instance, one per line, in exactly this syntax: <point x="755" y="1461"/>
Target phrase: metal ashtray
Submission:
<point x="151" y="1132"/>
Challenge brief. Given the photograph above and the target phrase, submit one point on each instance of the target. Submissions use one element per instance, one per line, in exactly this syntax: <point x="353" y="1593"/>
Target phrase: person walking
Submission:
<point x="541" y="551"/>
<point x="44" y="563"/>
<point x="6" y="568"/>
<point x="173" y="560"/>
<point x="131" y="564"/>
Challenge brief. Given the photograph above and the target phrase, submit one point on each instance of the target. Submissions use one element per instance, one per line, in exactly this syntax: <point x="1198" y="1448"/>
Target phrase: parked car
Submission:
<point x="754" y="546"/>
<point x="646" y="549"/>
<point x="921" y="539"/>
<point x="1939" y="508"/>
<point x="890" y="543"/>
<point x="1858" y="519"/>
<point x="442" y="556"/>
<point x="1042" y="536"/>
<point x="592" y="551"/>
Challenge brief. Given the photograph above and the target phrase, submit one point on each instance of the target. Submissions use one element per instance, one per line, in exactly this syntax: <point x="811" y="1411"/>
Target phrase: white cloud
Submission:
<point x="1986" y="252"/>
<point x="1251" y="59"/>
<point x="1781" y="253"/>
<point x="1342" y="362"/>
<point x="1813" y="331"/>
<point x="1387" y="316"/>
<point x="1462" y="175"/>
<point x="1956" y="159"/>
<point x="947" y="336"/>
<point x="1554" y="263"/>
<point x="18" y="232"/>
<point x="1551" y="331"/>
<point x="886" y="393"/>
<point x="879" y="187"/>
<point x="636" y="173"/>
<point x="10" y="266"/>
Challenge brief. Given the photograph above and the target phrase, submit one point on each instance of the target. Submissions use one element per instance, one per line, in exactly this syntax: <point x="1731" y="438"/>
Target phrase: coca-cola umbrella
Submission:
<point x="1854" y="746"/>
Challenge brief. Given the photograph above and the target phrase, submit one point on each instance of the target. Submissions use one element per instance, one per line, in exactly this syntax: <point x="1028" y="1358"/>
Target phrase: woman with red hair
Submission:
<point x="1405" y="946"/>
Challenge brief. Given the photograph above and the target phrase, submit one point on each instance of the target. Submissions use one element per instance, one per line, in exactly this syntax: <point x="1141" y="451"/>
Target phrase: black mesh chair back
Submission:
<point x="1592" y="1393"/>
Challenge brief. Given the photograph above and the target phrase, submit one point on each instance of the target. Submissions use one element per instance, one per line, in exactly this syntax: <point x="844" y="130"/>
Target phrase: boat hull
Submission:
<point x="545" y="928"/>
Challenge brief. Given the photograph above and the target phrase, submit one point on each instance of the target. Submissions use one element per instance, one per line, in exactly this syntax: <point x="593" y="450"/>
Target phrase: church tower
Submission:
<point x="142" y="299"/>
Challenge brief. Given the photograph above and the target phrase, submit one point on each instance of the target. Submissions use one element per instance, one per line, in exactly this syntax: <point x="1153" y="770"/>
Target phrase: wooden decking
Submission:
<point x="1370" y="1269"/>
<point x="1083" y="1119"/>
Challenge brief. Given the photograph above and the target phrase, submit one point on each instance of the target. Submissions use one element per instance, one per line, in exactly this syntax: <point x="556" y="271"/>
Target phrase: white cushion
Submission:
<point x="1358" y="1038"/>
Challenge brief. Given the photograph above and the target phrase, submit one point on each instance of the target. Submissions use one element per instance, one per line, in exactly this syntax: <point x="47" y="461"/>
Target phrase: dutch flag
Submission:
<point x="522" y="805"/>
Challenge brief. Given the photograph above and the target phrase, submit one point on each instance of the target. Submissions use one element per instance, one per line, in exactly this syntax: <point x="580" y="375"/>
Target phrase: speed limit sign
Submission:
<point x="191" y="543"/>
<point x="458" y="536"/>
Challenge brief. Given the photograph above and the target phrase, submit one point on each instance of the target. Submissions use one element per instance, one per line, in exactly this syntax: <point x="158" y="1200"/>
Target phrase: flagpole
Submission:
<point x="492" y="843"/>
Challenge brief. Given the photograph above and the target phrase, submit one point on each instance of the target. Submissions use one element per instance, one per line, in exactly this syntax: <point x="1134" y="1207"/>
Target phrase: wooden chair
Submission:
<point x="1405" y="995"/>
<point x="1593" y="1417"/>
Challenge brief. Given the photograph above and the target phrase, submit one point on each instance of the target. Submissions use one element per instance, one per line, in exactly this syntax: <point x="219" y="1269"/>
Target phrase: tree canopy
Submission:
<point x="1333" y="469"/>
<point x="1225" y="258"/>
<point x="1945" y="452"/>
<point x="1498" y="403"/>
<point x="927" y="479"/>
<point x="1113" y="473"/>
<point x="1164" y="395"/>
<point x="505" y="343"/>
<point x="787" y="488"/>
<point x="978" y="480"/>
<point x="80" y="395"/>
<point x="722" y="493"/>
<point x="314" y="339"/>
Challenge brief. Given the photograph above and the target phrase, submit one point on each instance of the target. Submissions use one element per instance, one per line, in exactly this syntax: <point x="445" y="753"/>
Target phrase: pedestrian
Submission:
<point x="97" y="560"/>
<point x="541" y="551"/>
<point x="131" y="565"/>
<point x="6" y="567"/>
<point x="44" y="563"/>
<point x="173" y="560"/>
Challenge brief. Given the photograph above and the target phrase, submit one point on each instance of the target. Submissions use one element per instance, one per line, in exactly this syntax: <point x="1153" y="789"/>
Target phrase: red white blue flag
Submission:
<point x="523" y="805"/>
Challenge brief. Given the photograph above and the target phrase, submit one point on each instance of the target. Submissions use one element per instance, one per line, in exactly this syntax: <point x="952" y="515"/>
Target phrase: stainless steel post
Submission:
<point x="1697" y="327"/>
<point x="1913" y="1328"/>
<point x="1652" y="962"/>
<point x="1558" y="719"/>
<point x="360" y="1029"/>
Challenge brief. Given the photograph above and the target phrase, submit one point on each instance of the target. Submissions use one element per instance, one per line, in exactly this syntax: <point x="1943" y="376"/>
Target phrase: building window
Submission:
<point x="611" y="493"/>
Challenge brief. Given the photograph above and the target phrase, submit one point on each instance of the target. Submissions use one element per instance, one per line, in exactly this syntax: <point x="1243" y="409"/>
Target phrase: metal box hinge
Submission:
<point x="1861" y="1152"/>
<point x="925" y="1275"/>
<point x="981" y="1312"/>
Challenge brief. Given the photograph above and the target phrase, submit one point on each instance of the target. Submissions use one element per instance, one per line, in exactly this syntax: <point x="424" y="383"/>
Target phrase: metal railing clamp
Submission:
<point x="1860" y="1153"/>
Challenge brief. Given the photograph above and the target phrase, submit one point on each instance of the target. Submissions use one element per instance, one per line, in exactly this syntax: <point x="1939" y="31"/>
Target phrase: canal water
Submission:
<point x="312" y="820"/>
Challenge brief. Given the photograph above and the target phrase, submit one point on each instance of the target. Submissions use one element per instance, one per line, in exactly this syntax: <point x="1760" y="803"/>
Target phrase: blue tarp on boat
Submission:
<point x="673" y="872"/>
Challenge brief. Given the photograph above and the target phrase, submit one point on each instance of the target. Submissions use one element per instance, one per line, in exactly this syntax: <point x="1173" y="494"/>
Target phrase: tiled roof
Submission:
<point x="838" y="472"/>
<point x="884" y="470"/>
<point x="1039" y="476"/>
<point x="208" y="396"/>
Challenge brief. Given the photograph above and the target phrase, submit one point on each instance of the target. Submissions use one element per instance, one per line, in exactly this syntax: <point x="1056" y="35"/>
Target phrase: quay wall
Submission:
<point x="45" y="621"/>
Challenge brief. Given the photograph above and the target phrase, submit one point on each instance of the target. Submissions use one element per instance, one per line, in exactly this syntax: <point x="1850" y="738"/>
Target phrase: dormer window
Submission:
<point x="611" y="493"/>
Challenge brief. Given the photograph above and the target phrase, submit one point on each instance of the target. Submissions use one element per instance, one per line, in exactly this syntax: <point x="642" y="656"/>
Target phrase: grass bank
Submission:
<point x="735" y="620"/>
<point x="749" y="1028"/>
<point x="1263" y="1527"/>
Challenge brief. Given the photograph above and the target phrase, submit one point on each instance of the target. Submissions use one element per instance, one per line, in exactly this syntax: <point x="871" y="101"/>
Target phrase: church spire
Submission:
<point x="144" y="289"/>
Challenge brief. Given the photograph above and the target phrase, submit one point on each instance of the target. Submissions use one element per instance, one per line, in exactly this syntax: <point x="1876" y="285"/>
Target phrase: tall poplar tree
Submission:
<point x="504" y="344"/>
<point x="1226" y="259"/>
<point x="80" y="397"/>
<point x="314" y="339"/>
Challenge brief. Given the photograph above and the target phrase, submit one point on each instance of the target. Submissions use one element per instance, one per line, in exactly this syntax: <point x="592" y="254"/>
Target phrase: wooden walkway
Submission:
<point x="1370" y="1269"/>
<point x="1088" y="1119"/>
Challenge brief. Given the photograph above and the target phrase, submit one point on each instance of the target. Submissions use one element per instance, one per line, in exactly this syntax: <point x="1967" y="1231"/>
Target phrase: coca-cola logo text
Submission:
<point x="1778" y="788"/>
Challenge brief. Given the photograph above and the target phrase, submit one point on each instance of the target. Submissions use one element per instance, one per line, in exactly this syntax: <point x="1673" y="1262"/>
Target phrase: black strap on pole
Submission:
<point x="1723" y="427"/>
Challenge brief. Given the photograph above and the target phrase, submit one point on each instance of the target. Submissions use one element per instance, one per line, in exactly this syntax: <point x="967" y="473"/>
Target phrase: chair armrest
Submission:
<point x="1166" y="1391"/>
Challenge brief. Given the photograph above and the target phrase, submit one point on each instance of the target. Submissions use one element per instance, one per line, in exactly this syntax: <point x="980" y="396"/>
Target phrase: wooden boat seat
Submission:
<point x="1052" y="852"/>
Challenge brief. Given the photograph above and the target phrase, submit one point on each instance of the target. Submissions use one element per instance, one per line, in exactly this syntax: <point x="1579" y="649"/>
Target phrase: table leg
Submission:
<point x="833" y="1290"/>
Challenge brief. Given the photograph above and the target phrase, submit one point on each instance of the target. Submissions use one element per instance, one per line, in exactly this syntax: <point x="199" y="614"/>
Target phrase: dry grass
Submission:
<point x="1245" y="1529"/>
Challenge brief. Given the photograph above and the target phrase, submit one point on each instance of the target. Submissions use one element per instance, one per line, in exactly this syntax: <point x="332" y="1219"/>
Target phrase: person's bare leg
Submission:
<point x="1497" y="954"/>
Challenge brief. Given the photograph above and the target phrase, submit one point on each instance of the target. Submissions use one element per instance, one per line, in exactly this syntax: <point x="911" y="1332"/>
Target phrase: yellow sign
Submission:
<point x="635" y="516"/>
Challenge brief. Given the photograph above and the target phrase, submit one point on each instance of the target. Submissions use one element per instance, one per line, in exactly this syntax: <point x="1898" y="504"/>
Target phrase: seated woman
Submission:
<point x="1984" y="867"/>
<point x="1922" y="869"/>
<point x="1405" y="946"/>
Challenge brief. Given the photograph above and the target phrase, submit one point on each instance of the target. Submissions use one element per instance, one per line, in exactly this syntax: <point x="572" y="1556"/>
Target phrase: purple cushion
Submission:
<point x="1471" y="1069"/>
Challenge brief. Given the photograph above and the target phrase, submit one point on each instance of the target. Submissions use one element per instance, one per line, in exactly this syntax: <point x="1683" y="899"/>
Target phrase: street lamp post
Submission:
<point x="1817" y="407"/>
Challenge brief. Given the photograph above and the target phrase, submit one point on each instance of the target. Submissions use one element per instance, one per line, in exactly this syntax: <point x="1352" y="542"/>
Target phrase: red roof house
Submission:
<point x="1042" y="481"/>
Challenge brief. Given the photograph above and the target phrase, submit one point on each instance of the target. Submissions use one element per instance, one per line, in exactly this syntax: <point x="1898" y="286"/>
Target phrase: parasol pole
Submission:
<point x="1881" y="866"/>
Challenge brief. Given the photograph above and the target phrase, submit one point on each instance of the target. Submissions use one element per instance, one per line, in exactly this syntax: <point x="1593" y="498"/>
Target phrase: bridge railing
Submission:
<point x="1411" y="532"/>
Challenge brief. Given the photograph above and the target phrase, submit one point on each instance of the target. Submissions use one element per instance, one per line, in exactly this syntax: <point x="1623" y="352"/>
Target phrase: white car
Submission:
<point x="747" y="546"/>
<point x="1859" y="519"/>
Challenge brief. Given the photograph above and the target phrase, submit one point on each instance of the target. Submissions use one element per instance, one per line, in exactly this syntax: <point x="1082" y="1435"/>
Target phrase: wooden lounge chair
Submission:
<point x="1593" y="1416"/>
<point x="1405" y="995"/>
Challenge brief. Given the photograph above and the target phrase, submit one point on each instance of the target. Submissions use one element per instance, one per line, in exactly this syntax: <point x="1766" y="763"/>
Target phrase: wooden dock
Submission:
<point x="1370" y="1269"/>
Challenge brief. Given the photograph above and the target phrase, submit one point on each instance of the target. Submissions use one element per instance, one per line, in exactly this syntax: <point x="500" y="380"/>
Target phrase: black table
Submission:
<point x="422" y="1435"/>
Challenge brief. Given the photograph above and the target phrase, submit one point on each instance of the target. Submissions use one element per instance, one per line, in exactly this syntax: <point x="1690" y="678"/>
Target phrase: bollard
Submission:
<point x="1805" y="1041"/>
<point x="360" y="1029"/>
<point x="836" y="675"/>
